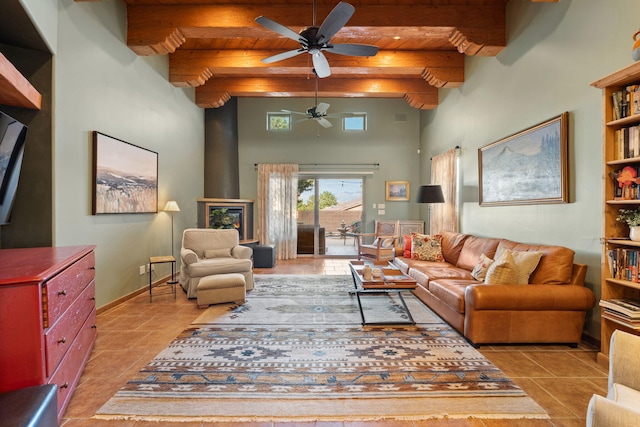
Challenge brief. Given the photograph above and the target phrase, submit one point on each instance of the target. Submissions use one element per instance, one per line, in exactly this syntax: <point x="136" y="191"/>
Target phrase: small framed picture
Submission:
<point x="397" y="191"/>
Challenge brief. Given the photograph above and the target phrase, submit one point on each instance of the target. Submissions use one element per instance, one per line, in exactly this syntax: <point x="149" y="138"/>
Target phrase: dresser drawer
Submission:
<point x="64" y="288"/>
<point x="60" y="336"/>
<point x="68" y="373"/>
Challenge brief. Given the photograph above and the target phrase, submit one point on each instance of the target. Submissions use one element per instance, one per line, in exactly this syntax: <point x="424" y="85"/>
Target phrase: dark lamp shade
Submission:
<point x="430" y="194"/>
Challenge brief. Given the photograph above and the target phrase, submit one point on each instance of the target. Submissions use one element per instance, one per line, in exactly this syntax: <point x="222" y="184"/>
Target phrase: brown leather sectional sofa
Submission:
<point x="550" y="309"/>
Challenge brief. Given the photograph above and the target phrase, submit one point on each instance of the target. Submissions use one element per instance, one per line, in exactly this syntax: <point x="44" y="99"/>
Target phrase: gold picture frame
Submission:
<point x="529" y="167"/>
<point x="397" y="191"/>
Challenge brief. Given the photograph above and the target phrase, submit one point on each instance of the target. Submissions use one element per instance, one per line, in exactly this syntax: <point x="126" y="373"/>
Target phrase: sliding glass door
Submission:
<point x="329" y="214"/>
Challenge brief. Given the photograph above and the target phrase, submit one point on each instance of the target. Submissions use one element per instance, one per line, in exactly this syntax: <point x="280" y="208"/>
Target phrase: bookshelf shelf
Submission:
<point x="619" y="151"/>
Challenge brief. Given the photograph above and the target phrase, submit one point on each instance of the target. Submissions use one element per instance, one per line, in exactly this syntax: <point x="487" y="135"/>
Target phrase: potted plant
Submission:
<point x="220" y="219"/>
<point x="632" y="218"/>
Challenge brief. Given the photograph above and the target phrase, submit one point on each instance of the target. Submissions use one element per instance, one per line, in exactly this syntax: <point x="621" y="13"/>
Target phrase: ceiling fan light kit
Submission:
<point x="314" y="40"/>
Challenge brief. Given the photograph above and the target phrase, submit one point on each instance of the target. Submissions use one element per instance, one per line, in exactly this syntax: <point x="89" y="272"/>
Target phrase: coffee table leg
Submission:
<point x="406" y="309"/>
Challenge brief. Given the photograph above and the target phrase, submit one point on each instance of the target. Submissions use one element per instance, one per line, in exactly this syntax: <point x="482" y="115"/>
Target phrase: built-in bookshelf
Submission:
<point x="620" y="284"/>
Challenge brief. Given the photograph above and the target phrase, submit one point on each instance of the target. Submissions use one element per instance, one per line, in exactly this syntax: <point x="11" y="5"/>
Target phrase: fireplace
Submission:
<point x="236" y="212"/>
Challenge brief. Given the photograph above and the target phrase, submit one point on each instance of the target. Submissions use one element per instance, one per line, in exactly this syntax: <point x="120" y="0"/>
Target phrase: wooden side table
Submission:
<point x="161" y="260"/>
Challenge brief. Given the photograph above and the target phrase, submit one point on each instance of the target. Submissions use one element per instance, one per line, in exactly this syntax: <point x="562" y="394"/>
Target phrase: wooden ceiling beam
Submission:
<point x="195" y="67"/>
<point x="218" y="90"/>
<point x="161" y="29"/>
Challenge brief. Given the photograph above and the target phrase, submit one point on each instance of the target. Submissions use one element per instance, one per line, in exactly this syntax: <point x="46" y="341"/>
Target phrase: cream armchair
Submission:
<point x="621" y="407"/>
<point x="206" y="252"/>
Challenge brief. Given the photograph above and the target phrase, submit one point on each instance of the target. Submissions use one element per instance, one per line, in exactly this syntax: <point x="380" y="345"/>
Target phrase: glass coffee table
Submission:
<point x="392" y="280"/>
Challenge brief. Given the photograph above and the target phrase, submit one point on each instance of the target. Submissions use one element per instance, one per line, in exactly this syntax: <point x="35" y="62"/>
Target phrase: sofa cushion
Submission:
<point x="555" y="266"/>
<point x="503" y="271"/>
<point x="426" y="247"/>
<point x="452" y="243"/>
<point x="450" y="291"/>
<point x="473" y="247"/>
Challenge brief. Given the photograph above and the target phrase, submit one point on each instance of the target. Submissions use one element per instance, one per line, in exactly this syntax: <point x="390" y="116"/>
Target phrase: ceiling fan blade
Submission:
<point x="280" y="29"/>
<point x="322" y="108"/>
<point x="353" y="49"/>
<point x="338" y="115"/>
<point x="336" y="19"/>
<point x="324" y="122"/>
<point x="321" y="65"/>
<point x="280" y="56"/>
<point x="293" y="112"/>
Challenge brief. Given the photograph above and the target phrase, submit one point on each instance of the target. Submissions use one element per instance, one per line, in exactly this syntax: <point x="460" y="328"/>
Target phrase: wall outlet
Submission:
<point x="142" y="270"/>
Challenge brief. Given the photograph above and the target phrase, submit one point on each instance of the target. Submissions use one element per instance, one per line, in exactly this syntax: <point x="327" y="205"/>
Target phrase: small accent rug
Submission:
<point x="296" y="351"/>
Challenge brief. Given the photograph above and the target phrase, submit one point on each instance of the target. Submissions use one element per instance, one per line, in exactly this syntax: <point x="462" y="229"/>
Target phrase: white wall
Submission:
<point x="554" y="52"/>
<point x="392" y="144"/>
<point x="102" y="85"/>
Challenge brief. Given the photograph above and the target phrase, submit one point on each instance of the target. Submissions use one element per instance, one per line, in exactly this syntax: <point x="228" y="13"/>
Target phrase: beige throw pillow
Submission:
<point x="503" y="271"/>
<point x="217" y="253"/>
<point x="526" y="263"/>
<point x="482" y="266"/>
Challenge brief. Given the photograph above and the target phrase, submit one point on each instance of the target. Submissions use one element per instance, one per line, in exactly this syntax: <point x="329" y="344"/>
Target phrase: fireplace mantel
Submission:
<point x="205" y="205"/>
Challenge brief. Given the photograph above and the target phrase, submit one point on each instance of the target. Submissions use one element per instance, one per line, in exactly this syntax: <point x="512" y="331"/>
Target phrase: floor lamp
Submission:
<point x="172" y="206"/>
<point x="430" y="194"/>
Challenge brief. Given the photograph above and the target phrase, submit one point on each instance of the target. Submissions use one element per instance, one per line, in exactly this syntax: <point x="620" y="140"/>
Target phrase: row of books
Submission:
<point x="623" y="311"/>
<point x="627" y="143"/>
<point x="626" y="102"/>
<point x="623" y="263"/>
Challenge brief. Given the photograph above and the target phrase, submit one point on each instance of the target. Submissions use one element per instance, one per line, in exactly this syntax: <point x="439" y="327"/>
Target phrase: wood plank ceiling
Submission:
<point x="216" y="46"/>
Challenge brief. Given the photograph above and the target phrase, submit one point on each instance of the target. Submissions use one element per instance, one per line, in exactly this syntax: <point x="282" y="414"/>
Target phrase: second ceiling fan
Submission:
<point x="314" y="40"/>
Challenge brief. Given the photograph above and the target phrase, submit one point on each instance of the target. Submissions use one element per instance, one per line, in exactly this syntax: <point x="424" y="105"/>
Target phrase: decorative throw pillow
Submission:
<point x="407" y="247"/>
<point x="425" y="247"/>
<point x="217" y="253"/>
<point x="503" y="271"/>
<point x="387" y="243"/>
<point x="526" y="262"/>
<point x="480" y="269"/>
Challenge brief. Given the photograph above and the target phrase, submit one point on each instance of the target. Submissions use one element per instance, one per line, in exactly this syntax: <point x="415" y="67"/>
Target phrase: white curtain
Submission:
<point x="444" y="171"/>
<point x="278" y="208"/>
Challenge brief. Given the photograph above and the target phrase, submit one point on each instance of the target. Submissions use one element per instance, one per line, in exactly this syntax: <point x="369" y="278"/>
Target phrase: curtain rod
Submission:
<point x="377" y="165"/>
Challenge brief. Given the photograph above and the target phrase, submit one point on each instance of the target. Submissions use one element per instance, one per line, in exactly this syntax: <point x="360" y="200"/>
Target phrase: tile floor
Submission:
<point x="559" y="378"/>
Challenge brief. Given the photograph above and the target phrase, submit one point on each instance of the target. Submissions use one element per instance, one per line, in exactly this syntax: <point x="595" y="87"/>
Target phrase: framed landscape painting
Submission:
<point x="397" y="191"/>
<point x="125" y="177"/>
<point x="530" y="167"/>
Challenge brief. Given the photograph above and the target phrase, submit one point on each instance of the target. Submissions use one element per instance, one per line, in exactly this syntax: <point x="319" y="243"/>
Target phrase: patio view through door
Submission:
<point x="326" y="228"/>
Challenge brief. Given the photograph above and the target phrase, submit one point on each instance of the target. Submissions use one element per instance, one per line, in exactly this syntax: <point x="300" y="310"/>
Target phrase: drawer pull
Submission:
<point x="92" y="267"/>
<point x="94" y="327"/>
<point x="62" y="341"/>
<point x="65" y="385"/>
<point x="63" y="292"/>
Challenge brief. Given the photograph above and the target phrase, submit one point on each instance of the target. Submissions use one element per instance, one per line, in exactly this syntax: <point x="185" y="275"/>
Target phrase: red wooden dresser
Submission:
<point x="47" y="317"/>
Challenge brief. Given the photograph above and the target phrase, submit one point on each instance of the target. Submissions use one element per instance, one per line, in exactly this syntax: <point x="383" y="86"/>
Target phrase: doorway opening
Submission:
<point x="328" y="228"/>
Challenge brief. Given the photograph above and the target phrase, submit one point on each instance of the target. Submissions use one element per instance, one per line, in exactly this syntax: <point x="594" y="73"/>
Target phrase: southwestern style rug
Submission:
<point x="296" y="350"/>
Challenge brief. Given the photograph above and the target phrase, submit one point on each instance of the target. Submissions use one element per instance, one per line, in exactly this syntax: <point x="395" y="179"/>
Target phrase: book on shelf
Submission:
<point x="626" y="102"/>
<point x="625" y="308"/>
<point x="621" y="320"/>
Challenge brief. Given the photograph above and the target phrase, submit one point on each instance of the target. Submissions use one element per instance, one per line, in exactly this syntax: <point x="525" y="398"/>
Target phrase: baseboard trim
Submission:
<point x="591" y="340"/>
<point x="132" y="295"/>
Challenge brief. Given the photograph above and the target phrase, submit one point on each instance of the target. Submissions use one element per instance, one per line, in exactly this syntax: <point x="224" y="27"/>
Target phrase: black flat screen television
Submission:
<point x="12" y="137"/>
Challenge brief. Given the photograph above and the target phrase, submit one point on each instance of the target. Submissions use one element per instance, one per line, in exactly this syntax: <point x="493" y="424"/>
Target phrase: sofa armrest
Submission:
<point x="529" y="297"/>
<point x="241" y="252"/>
<point x="188" y="256"/>
<point x="606" y="413"/>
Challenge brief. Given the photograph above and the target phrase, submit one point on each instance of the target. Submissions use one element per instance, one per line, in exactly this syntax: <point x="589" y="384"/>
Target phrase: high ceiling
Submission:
<point x="216" y="46"/>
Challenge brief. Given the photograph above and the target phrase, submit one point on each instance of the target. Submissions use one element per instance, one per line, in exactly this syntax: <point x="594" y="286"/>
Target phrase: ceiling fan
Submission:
<point x="315" y="39"/>
<point x="319" y="112"/>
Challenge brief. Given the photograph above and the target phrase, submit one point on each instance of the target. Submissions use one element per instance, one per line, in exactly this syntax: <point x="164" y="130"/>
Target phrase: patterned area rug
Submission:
<point x="296" y="351"/>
